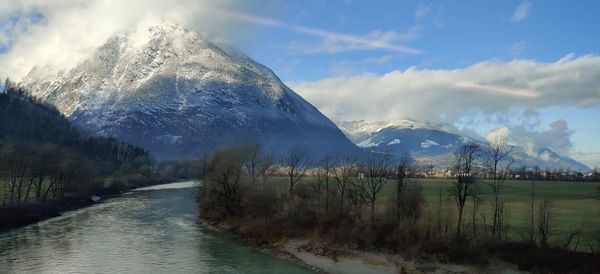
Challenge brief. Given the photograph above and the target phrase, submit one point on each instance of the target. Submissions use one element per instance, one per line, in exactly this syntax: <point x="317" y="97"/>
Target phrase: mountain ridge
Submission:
<point x="178" y="95"/>
<point x="433" y="142"/>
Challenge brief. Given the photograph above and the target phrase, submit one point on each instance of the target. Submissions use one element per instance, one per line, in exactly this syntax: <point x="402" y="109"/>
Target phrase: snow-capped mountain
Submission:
<point x="546" y="157"/>
<point x="179" y="95"/>
<point x="425" y="139"/>
<point x="433" y="142"/>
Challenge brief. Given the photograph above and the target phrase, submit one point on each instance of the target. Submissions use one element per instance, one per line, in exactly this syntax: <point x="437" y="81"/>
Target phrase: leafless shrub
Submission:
<point x="544" y="222"/>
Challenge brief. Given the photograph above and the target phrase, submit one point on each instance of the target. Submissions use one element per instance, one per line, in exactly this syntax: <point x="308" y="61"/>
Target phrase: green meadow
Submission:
<point x="575" y="205"/>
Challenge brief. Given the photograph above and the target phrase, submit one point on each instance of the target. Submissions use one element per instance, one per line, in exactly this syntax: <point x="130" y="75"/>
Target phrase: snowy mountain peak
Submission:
<point x="175" y="93"/>
<point x="360" y="128"/>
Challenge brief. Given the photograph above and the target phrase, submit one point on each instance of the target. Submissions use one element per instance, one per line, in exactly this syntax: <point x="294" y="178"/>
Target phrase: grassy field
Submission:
<point x="576" y="205"/>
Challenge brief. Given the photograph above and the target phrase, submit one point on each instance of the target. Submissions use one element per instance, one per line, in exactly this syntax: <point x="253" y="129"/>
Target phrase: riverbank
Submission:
<point x="277" y="249"/>
<point x="338" y="259"/>
<point x="24" y="214"/>
<point x="324" y="257"/>
<point x="20" y="215"/>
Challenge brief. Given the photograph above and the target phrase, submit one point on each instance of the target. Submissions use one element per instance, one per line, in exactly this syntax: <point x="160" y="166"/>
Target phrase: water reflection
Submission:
<point x="151" y="230"/>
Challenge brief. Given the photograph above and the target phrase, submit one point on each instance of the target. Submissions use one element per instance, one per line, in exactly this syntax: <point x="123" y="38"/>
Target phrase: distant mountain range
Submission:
<point x="179" y="96"/>
<point x="433" y="143"/>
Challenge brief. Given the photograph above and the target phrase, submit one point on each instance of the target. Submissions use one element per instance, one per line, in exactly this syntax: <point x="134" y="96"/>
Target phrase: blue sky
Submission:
<point x="530" y="67"/>
<point x="450" y="34"/>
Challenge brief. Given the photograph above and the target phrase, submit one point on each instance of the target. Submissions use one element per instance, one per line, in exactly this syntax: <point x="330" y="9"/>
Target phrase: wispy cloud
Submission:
<point x="498" y="90"/>
<point x="521" y="12"/>
<point x="422" y="11"/>
<point x="430" y="13"/>
<point x="251" y="18"/>
<point x="334" y="42"/>
<point x="517" y="48"/>
<point x="353" y="67"/>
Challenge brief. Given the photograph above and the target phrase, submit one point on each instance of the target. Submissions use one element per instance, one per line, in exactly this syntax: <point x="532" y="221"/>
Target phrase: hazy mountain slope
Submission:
<point x="178" y="95"/>
<point x="433" y="143"/>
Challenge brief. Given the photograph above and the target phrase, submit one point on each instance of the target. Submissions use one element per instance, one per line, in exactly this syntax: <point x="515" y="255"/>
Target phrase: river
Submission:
<point x="148" y="230"/>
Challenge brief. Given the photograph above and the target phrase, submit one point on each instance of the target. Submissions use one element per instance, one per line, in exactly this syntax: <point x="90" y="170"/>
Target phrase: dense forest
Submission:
<point x="43" y="156"/>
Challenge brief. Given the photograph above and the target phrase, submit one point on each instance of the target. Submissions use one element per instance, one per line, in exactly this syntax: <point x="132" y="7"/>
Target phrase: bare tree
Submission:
<point x="497" y="162"/>
<point x="373" y="175"/>
<point x="402" y="166"/>
<point x="463" y="165"/>
<point x="544" y="222"/>
<point x="265" y="167"/>
<point x="439" y="212"/>
<point x="531" y="222"/>
<point x="224" y="174"/>
<point x="343" y="173"/>
<point x="572" y="240"/>
<point x="204" y="162"/>
<point x="257" y="165"/>
<point x="475" y="197"/>
<point x="296" y="162"/>
<point x="251" y="163"/>
<point x="327" y="169"/>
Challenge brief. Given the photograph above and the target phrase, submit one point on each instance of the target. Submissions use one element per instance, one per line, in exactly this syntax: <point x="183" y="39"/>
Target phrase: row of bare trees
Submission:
<point x="40" y="172"/>
<point x="339" y="186"/>
<point x="494" y="159"/>
<point x="367" y="189"/>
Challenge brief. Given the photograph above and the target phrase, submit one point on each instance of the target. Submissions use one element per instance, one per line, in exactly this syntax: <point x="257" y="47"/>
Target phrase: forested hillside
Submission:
<point x="43" y="156"/>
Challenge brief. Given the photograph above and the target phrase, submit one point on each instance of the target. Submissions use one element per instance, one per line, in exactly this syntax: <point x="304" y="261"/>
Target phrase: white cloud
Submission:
<point x="498" y="133"/>
<point x="72" y="29"/>
<point x="557" y="137"/>
<point x="448" y="95"/>
<point x="521" y="12"/>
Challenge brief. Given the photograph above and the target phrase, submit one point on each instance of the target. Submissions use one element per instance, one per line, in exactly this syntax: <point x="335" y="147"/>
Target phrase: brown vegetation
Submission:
<point x="266" y="216"/>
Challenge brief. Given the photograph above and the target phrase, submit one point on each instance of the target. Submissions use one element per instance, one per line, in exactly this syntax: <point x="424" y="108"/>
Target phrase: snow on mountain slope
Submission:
<point x="433" y="142"/>
<point x="419" y="138"/>
<point x="179" y="95"/>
